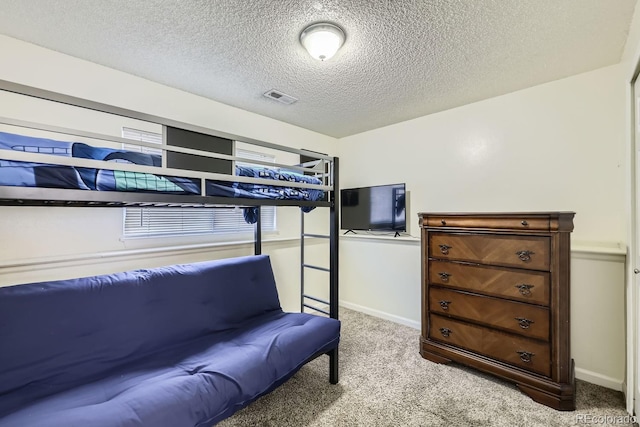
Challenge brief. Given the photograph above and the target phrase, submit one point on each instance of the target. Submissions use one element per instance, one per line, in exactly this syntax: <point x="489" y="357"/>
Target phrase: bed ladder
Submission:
<point x="304" y="296"/>
<point x="306" y="299"/>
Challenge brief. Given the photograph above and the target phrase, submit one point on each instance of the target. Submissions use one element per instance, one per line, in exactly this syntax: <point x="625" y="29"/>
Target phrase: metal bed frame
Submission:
<point x="326" y="168"/>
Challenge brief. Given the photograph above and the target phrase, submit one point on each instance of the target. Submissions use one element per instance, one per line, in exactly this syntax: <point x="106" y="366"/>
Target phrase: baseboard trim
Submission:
<point x="381" y="314"/>
<point x="599" y="379"/>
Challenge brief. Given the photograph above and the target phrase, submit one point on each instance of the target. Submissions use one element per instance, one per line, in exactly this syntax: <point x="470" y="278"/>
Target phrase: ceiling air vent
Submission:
<point x="281" y="97"/>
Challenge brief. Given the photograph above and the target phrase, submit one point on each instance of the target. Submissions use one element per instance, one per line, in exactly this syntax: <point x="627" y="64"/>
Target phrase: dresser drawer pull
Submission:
<point x="524" y="289"/>
<point x="524" y="323"/>
<point x="525" y="356"/>
<point x="445" y="332"/>
<point x="445" y="249"/>
<point x="443" y="222"/>
<point x="444" y="276"/>
<point x="525" y="255"/>
<point x="444" y="304"/>
<point x="524" y="223"/>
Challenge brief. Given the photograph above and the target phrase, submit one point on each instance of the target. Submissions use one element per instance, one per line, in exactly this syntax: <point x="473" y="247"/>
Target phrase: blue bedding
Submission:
<point x="29" y="174"/>
<point x="260" y="191"/>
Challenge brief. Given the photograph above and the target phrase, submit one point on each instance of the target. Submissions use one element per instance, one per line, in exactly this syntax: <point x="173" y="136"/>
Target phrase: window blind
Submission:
<point x="143" y="136"/>
<point x="159" y="222"/>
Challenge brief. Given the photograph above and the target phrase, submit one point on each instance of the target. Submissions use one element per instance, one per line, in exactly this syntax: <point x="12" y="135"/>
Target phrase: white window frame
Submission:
<point x="175" y="222"/>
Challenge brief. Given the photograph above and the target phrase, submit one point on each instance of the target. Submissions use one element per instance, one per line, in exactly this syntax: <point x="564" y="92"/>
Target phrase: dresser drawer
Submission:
<point x="513" y="349"/>
<point x="530" y="252"/>
<point x="530" y="286"/>
<point x="520" y="223"/>
<point x="525" y="319"/>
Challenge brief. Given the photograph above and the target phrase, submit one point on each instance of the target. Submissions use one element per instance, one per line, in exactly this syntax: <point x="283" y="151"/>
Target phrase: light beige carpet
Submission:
<point x="385" y="382"/>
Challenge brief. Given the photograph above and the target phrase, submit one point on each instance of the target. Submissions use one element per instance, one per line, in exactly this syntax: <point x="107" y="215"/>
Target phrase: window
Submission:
<point x="160" y="222"/>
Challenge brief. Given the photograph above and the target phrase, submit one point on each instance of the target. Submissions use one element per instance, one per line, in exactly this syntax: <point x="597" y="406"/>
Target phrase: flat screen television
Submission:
<point x="379" y="208"/>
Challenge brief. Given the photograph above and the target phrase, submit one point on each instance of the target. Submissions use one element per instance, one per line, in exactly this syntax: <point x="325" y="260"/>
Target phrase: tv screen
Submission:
<point x="374" y="208"/>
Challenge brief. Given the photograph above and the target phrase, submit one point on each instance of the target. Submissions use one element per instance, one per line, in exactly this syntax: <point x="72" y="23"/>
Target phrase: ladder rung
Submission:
<point x="316" y="267"/>
<point x="317" y="309"/>
<point x="316" y="299"/>
<point x="319" y="236"/>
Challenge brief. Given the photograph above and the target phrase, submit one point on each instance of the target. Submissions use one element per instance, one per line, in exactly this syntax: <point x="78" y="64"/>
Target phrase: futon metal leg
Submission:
<point x="333" y="366"/>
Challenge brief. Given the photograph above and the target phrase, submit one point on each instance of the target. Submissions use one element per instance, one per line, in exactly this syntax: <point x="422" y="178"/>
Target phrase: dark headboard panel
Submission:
<point x="198" y="141"/>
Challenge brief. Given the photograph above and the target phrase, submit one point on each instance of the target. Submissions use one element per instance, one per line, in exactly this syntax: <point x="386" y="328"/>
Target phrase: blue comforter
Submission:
<point x="260" y="191"/>
<point x="30" y="174"/>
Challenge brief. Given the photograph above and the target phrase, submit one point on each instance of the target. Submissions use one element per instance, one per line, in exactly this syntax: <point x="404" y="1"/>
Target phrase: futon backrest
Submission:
<point x="60" y="333"/>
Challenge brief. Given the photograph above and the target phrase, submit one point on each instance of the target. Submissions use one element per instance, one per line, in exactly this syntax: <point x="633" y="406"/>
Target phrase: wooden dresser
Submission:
<point x="495" y="296"/>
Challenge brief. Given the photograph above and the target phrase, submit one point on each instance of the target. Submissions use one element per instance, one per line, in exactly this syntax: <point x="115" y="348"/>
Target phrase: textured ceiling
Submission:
<point x="402" y="58"/>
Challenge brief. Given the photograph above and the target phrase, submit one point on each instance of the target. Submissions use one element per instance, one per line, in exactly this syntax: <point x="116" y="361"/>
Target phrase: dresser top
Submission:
<point x="498" y="214"/>
<point x="535" y="221"/>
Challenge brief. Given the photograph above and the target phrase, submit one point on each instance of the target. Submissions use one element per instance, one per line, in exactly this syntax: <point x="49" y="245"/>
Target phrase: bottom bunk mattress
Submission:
<point x="195" y="384"/>
<point x="172" y="346"/>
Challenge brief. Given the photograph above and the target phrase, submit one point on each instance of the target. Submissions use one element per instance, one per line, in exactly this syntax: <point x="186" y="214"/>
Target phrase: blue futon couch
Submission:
<point x="179" y="346"/>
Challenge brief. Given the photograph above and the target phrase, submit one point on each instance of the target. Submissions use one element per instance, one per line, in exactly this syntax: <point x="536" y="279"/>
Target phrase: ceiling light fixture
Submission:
<point x="322" y="40"/>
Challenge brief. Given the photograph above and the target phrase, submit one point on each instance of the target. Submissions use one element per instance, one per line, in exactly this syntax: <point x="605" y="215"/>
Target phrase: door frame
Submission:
<point x="632" y="379"/>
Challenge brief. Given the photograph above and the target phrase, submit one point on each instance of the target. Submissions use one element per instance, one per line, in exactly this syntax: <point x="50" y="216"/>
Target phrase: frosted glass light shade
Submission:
<point x="322" y="40"/>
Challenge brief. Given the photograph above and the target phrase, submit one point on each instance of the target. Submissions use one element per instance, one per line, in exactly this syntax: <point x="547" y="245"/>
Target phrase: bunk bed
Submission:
<point x="74" y="168"/>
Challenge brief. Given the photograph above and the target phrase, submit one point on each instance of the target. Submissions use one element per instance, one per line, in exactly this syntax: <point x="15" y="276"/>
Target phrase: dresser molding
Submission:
<point x="486" y="252"/>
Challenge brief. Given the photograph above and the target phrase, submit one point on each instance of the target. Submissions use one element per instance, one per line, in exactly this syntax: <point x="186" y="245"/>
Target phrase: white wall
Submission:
<point x="44" y="243"/>
<point x="558" y="146"/>
<point x="598" y="317"/>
